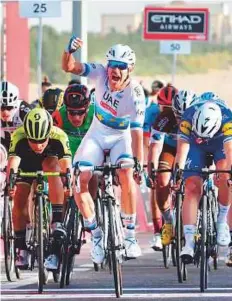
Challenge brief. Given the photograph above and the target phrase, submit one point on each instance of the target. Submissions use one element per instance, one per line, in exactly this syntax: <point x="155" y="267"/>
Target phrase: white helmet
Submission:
<point x="9" y="94"/>
<point x="121" y="53"/>
<point x="182" y="101"/>
<point x="207" y="120"/>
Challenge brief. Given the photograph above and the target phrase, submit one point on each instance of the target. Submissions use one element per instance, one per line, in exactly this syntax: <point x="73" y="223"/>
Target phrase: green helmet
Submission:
<point x="37" y="124"/>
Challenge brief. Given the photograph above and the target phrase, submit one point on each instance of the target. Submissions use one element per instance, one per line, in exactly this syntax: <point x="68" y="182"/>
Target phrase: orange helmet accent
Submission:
<point x="166" y="95"/>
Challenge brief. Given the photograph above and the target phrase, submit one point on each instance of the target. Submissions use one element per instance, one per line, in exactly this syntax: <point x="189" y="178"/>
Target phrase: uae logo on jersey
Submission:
<point x="109" y="103"/>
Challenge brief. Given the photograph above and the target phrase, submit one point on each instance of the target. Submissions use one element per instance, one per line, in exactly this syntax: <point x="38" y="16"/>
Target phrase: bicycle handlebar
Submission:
<point x="103" y="168"/>
<point x="39" y="174"/>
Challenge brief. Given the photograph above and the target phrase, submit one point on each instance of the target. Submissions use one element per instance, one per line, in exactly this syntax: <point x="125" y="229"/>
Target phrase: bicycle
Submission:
<point x="168" y="251"/>
<point x="39" y="240"/>
<point x="206" y="234"/>
<point x="112" y="223"/>
<point x="75" y="238"/>
<point x="8" y="237"/>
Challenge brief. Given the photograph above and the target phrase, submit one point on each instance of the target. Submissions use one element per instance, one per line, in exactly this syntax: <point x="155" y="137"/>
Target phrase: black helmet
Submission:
<point x="52" y="100"/>
<point x="76" y="96"/>
<point x="157" y="84"/>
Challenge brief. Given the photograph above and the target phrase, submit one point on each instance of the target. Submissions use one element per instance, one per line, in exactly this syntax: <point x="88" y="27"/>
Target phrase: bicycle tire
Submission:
<point x="9" y="249"/>
<point x="56" y="276"/>
<point x="173" y="252"/>
<point x="178" y="234"/>
<point x="40" y="246"/>
<point x="17" y="273"/>
<point x="77" y="241"/>
<point x="167" y="255"/>
<point x="66" y="246"/>
<point x="98" y="211"/>
<point x="203" y="256"/>
<point x="116" y="266"/>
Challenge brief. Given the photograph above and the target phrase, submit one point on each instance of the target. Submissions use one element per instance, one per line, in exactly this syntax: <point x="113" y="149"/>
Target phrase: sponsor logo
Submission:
<point x="188" y="163"/>
<point x="177" y="22"/>
<point x="227" y="129"/>
<point x="176" y="19"/>
<point x="140" y="112"/>
<point x="108" y="108"/>
<point x="109" y="103"/>
<point x="185" y="127"/>
<point x="162" y="123"/>
<point x="138" y="91"/>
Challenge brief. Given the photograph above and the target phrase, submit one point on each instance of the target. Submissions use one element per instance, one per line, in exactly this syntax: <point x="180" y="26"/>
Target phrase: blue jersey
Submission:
<point x="151" y="114"/>
<point x="225" y="132"/>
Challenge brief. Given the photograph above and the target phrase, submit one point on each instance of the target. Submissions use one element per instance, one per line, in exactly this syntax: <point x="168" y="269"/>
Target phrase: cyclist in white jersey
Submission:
<point x="13" y="111"/>
<point x="117" y="125"/>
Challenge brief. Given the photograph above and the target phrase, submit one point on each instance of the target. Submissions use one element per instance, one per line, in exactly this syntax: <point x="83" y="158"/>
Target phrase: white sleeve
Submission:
<point x="93" y="71"/>
<point x="137" y="113"/>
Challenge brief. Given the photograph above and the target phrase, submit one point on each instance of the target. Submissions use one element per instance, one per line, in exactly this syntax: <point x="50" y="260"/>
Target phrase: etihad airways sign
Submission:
<point x="175" y="23"/>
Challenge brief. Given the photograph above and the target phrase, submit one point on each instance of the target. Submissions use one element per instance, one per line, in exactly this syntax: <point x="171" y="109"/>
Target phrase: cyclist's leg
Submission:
<point x="21" y="219"/>
<point x="163" y="193"/>
<point x="56" y="189"/>
<point x="56" y="197"/>
<point x="224" y="198"/>
<point x="122" y="152"/>
<point x="193" y="192"/>
<point x="157" y="221"/>
<point x="89" y="153"/>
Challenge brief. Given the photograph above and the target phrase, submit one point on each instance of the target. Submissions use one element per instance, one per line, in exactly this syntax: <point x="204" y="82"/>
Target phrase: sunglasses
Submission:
<point x="37" y="141"/>
<point x="76" y="112"/>
<point x="119" y="65"/>
<point x="7" y="108"/>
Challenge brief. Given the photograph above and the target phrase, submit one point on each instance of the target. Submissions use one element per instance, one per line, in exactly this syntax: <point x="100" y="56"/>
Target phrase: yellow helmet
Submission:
<point x="37" y="124"/>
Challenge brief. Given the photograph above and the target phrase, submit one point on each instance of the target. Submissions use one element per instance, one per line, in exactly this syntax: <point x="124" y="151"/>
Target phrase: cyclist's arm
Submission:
<point x="155" y="148"/>
<point x="228" y="153"/>
<point x="13" y="163"/>
<point x="183" y="147"/>
<point x="145" y="149"/>
<point x="69" y="64"/>
<point x="137" y="144"/>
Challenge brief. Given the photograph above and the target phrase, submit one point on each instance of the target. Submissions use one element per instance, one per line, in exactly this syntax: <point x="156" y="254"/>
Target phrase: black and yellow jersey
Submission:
<point x="58" y="145"/>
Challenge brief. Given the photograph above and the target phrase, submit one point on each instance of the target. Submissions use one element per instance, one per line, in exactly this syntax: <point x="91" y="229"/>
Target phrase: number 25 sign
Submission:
<point x="39" y="9"/>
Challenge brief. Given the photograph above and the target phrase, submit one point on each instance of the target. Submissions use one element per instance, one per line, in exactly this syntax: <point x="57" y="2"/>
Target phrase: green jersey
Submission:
<point x="75" y="134"/>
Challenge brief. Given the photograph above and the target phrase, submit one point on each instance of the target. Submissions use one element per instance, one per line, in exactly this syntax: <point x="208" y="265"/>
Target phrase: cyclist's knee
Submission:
<point x="193" y="187"/>
<point x="125" y="176"/>
<point x="83" y="182"/>
<point x="163" y="180"/>
<point x="51" y="164"/>
<point x="20" y="208"/>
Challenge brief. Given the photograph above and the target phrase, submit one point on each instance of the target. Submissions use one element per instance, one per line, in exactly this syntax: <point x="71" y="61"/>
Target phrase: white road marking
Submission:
<point x="106" y="296"/>
<point x="136" y="289"/>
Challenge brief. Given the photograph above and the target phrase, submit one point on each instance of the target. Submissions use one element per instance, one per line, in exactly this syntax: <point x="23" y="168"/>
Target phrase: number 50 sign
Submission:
<point x="175" y="47"/>
<point x="40" y="9"/>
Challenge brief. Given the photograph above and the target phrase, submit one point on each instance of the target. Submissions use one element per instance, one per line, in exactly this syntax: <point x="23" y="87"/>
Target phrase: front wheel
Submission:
<point x="167" y="255"/>
<point x="116" y="265"/>
<point x="40" y="249"/>
<point x="204" y="255"/>
<point x="8" y="238"/>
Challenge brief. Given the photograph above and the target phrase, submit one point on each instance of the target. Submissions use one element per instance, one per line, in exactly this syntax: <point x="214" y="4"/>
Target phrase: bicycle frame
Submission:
<point x="39" y="240"/>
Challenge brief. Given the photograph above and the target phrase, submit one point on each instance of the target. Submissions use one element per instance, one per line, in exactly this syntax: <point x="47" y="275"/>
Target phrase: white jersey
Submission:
<point x="117" y="110"/>
<point x="115" y="114"/>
